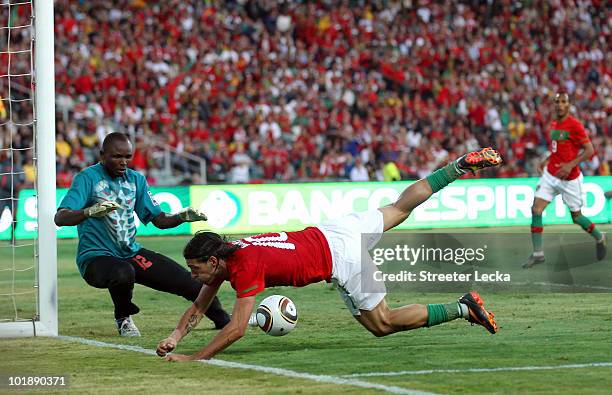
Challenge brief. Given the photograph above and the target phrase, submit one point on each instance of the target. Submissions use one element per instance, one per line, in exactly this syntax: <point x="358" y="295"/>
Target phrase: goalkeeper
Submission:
<point x="102" y="201"/>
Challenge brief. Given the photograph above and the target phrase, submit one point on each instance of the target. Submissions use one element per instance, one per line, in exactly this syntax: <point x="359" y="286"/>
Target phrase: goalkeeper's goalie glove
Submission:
<point x="190" y="214"/>
<point x="100" y="209"/>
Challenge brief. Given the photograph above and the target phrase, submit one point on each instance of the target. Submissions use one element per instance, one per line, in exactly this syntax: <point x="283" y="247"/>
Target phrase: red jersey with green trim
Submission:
<point x="566" y="140"/>
<point x="272" y="259"/>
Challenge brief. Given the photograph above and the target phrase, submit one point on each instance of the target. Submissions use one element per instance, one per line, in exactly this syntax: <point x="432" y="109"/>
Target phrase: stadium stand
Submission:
<point x="284" y="91"/>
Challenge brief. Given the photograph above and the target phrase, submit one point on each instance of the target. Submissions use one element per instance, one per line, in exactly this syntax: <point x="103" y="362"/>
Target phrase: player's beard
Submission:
<point x="561" y="113"/>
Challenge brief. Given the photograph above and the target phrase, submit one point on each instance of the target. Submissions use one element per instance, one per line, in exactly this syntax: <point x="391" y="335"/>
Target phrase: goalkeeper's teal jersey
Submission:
<point x="115" y="233"/>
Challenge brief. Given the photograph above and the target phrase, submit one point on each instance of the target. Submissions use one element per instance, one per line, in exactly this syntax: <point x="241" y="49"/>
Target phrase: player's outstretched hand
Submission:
<point x="190" y="214"/>
<point x="564" y="170"/>
<point x="178" y="358"/>
<point x="165" y="346"/>
<point x="100" y="209"/>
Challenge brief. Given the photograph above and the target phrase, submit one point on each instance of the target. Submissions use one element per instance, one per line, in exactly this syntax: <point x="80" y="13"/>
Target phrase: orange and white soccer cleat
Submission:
<point x="478" y="160"/>
<point x="477" y="314"/>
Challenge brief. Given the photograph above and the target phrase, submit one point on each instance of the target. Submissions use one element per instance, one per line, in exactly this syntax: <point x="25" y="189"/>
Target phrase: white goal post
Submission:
<point x="45" y="322"/>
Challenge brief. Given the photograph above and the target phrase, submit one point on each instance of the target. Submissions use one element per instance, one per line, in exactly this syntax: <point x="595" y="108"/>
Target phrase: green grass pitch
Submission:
<point x="537" y="330"/>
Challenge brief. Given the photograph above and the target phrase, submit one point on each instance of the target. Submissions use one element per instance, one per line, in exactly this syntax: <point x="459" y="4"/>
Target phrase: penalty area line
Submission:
<point x="265" y="369"/>
<point x="483" y="370"/>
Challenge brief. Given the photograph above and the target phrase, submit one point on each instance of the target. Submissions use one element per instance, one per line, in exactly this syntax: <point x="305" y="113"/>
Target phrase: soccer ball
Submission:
<point x="276" y="315"/>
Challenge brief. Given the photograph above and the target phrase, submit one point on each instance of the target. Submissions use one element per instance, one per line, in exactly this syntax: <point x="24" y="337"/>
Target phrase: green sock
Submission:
<point x="439" y="313"/>
<point x="588" y="226"/>
<point x="536" y="232"/>
<point x="444" y="176"/>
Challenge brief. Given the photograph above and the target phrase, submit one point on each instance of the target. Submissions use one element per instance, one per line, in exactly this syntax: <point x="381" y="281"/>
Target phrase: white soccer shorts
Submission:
<point x="571" y="191"/>
<point x="352" y="266"/>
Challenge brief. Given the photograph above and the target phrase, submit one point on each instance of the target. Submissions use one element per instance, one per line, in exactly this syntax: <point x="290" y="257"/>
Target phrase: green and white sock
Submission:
<point x="444" y="176"/>
<point x="536" y="234"/>
<point x="588" y="227"/>
<point x="440" y="313"/>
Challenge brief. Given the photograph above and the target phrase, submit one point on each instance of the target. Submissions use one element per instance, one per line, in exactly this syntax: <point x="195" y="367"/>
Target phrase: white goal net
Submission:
<point x="28" y="280"/>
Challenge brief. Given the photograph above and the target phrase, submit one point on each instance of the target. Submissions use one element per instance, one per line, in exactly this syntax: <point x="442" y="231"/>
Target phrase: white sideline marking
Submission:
<point x="573" y="286"/>
<point x="483" y="370"/>
<point x="277" y="371"/>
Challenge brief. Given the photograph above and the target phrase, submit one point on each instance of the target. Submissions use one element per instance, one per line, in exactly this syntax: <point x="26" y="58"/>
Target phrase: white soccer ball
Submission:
<point x="276" y="315"/>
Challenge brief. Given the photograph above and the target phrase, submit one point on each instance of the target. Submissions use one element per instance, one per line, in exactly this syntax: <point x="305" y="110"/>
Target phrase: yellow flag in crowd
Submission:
<point x="2" y="109"/>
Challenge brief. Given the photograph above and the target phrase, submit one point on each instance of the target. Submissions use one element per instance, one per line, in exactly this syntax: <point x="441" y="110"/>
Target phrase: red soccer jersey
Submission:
<point x="286" y="258"/>
<point x="566" y="140"/>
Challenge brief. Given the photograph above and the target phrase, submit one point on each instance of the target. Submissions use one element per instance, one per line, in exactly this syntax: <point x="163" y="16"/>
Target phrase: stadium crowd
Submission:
<point x="327" y="90"/>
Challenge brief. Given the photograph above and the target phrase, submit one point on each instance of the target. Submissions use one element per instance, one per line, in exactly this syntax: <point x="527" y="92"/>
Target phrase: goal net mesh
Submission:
<point x="18" y="258"/>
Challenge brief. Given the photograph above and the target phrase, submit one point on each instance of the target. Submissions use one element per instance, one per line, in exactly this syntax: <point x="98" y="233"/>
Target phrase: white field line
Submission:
<point x="483" y="370"/>
<point x="276" y="371"/>
<point x="572" y="286"/>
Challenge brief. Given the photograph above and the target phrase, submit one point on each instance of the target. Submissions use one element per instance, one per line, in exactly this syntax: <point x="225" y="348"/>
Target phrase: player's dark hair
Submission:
<point x="111" y="138"/>
<point x="205" y="244"/>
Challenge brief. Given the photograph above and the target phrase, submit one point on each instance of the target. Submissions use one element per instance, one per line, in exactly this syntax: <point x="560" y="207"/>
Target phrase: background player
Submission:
<point x="328" y="252"/>
<point x="102" y="201"/>
<point x="569" y="146"/>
